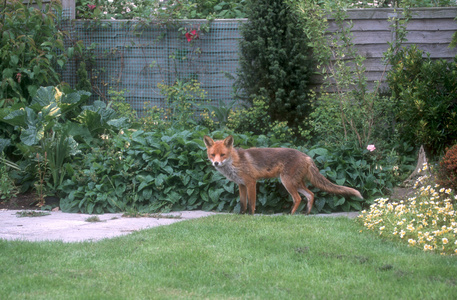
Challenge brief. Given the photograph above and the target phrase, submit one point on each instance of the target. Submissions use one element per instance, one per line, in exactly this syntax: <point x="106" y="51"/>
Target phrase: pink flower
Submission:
<point x="191" y="35"/>
<point x="371" y="148"/>
<point x="91" y="6"/>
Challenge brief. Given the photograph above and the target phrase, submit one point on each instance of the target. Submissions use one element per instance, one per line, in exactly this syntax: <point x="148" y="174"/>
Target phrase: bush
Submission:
<point x="275" y="62"/>
<point x="255" y="119"/>
<point x="425" y="93"/>
<point x="447" y="172"/>
<point x="31" y="48"/>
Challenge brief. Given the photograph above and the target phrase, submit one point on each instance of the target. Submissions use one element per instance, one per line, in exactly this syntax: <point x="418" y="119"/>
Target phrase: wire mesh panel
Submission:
<point x="134" y="59"/>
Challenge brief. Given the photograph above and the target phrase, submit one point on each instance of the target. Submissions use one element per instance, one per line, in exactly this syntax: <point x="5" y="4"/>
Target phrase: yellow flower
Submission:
<point x="58" y="94"/>
<point x="445" y="241"/>
<point x="412" y="242"/>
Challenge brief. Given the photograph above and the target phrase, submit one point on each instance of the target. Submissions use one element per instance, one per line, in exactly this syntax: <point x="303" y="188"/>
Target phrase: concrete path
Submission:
<point x="66" y="227"/>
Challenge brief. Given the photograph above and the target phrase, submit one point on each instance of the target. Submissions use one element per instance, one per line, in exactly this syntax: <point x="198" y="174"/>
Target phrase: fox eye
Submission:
<point x="222" y="155"/>
<point x="213" y="155"/>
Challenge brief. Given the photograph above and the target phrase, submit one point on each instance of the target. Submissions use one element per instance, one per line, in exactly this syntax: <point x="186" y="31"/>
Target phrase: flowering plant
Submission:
<point x="192" y="35"/>
<point x="371" y="148"/>
<point x="426" y="221"/>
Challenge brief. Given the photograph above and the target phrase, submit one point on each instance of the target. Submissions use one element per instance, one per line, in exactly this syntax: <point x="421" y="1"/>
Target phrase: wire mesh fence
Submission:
<point x="136" y="60"/>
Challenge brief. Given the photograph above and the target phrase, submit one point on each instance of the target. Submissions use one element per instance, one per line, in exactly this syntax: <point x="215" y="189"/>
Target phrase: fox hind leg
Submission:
<point x="292" y="187"/>
<point x="309" y="195"/>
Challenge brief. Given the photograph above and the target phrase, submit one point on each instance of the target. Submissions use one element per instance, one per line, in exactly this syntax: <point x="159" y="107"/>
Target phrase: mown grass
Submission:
<point x="229" y="257"/>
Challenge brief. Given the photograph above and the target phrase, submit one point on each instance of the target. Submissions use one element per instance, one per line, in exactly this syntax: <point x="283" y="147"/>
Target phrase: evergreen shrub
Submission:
<point x="276" y="62"/>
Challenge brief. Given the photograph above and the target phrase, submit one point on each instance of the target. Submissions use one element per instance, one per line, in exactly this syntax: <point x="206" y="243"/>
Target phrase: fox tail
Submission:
<point x="322" y="183"/>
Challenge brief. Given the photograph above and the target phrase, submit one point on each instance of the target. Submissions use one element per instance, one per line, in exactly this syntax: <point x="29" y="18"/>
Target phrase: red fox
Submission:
<point x="245" y="167"/>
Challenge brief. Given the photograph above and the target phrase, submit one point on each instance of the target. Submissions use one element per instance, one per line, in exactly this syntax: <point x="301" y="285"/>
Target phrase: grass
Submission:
<point x="31" y="213"/>
<point x="229" y="257"/>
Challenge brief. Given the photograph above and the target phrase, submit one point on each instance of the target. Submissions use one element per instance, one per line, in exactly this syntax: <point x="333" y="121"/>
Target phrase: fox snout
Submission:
<point x="218" y="163"/>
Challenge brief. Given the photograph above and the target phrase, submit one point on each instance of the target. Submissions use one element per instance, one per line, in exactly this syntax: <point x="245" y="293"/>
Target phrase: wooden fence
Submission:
<point x="431" y="29"/>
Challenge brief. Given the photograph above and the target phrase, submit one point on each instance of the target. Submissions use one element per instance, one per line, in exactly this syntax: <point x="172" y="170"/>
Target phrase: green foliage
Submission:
<point x="425" y="91"/>
<point x="120" y="105"/>
<point x="48" y="107"/>
<point x="256" y="119"/>
<point x="168" y="170"/>
<point x="7" y="187"/>
<point x="31" y="48"/>
<point x="373" y="118"/>
<point x="44" y="142"/>
<point x="158" y="171"/>
<point x="216" y="9"/>
<point x="160" y="10"/>
<point x="83" y="79"/>
<point x="373" y="173"/>
<point x="184" y="102"/>
<point x="275" y="62"/>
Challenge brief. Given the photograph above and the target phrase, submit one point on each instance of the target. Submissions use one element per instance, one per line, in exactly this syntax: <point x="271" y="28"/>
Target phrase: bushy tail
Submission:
<point x="322" y="183"/>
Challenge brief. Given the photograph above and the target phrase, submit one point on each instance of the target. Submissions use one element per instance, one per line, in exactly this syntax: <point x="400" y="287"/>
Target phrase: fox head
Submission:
<point x="219" y="152"/>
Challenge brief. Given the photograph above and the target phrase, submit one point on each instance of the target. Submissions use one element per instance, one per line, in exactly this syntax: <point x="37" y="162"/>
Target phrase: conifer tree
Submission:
<point x="275" y="61"/>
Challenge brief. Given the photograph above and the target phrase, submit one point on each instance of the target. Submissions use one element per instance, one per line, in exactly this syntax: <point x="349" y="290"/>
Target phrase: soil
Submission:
<point x="29" y="201"/>
<point x="21" y="201"/>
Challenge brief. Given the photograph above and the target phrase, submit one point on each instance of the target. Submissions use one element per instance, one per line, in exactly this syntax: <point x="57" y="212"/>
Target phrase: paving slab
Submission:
<point x="75" y="227"/>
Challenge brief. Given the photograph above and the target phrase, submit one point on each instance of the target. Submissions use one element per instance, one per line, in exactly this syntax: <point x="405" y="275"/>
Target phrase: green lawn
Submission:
<point x="229" y="257"/>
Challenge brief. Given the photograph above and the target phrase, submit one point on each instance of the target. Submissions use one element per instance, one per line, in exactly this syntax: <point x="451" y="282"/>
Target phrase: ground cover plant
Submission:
<point x="229" y="257"/>
<point x="426" y="220"/>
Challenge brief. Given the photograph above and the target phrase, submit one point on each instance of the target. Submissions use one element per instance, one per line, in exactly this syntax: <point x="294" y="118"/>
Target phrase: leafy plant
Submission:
<point x="83" y="79"/>
<point x="183" y="103"/>
<point x="98" y="118"/>
<point x="220" y="113"/>
<point x="165" y="170"/>
<point x="275" y="62"/>
<point x="255" y="119"/>
<point x="31" y="48"/>
<point x="373" y="173"/>
<point x="48" y="107"/>
<point x="7" y="187"/>
<point x="120" y="105"/>
<point x="425" y="91"/>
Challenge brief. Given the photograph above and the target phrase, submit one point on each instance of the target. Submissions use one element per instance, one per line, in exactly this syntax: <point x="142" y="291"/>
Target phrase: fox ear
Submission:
<point x="228" y="142"/>
<point x="208" y="141"/>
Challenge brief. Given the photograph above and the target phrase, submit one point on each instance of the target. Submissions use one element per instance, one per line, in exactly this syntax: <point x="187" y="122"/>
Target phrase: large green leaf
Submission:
<point x="44" y="96"/>
<point x="17" y="117"/>
<point x="32" y="135"/>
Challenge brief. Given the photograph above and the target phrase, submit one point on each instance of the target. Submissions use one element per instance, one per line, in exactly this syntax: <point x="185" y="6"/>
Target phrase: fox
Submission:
<point x="294" y="168"/>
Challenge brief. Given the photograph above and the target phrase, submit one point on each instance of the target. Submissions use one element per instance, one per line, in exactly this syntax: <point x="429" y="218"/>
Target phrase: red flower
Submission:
<point x="91" y="6"/>
<point x="191" y="35"/>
